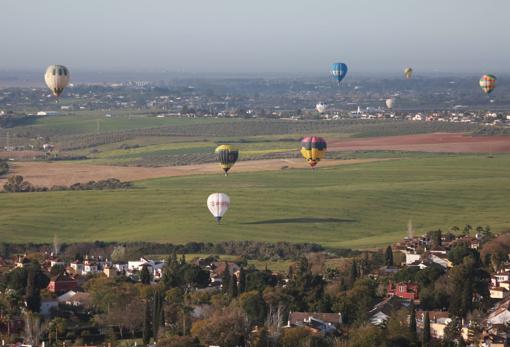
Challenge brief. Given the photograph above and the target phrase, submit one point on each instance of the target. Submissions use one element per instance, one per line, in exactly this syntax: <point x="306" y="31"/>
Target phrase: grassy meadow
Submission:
<point x="360" y="205"/>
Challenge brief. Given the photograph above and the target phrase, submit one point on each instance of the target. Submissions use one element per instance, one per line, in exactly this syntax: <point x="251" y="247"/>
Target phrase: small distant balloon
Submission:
<point x="408" y="72"/>
<point x="218" y="204"/>
<point x="339" y="71"/>
<point x="313" y="149"/>
<point x="390" y="102"/>
<point x="227" y="157"/>
<point x="488" y="83"/>
<point x="57" y="78"/>
<point x="320" y="107"/>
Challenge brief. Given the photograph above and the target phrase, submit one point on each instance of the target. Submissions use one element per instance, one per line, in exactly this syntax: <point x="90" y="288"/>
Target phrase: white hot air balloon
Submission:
<point x="389" y="103"/>
<point x="320" y="107"/>
<point x="218" y="204"/>
<point x="56" y="78"/>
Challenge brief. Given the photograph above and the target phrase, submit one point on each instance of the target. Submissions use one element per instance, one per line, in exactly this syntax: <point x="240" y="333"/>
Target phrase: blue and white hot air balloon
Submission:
<point x="339" y="70"/>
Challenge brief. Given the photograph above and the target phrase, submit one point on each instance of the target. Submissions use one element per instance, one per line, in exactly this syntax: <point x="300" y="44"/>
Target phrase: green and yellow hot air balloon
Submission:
<point x="408" y="72"/>
<point x="227" y="156"/>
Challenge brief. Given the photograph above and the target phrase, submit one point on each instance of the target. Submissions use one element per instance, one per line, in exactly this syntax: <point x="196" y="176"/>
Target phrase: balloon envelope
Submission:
<point x="227" y="156"/>
<point x="339" y="70"/>
<point x="320" y="107"/>
<point x="488" y="83"/>
<point x="408" y="72"/>
<point x="57" y="78"/>
<point x="218" y="204"/>
<point x="313" y="149"/>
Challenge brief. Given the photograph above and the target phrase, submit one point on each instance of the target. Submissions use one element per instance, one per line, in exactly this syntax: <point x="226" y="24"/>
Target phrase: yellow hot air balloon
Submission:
<point x="227" y="156"/>
<point x="408" y="72"/>
<point x="313" y="149"/>
<point x="56" y="78"/>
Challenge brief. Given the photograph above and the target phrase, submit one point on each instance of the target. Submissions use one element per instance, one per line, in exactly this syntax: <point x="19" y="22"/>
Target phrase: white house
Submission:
<point x="77" y="266"/>
<point x="443" y="261"/>
<point x="66" y="296"/>
<point x="47" y="113"/>
<point x="89" y="267"/>
<point x="412" y="257"/>
<point x="379" y="318"/>
<point x="152" y="265"/>
<point x="121" y="267"/>
<point x="500" y="313"/>
<point x="136" y="265"/>
<point x="54" y="262"/>
<point x="498" y="292"/>
<point x="437" y="327"/>
<point x="502" y="276"/>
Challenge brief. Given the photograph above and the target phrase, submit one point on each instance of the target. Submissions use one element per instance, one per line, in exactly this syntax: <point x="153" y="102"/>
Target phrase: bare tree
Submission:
<point x="33" y="328"/>
<point x="274" y="321"/>
<point x="56" y="245"/>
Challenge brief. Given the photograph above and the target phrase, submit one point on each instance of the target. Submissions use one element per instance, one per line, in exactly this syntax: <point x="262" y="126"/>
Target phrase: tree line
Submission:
<point x="17" y="184"/>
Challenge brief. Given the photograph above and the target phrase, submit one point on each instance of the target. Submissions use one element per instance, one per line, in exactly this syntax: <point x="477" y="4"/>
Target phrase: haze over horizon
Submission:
<point x="263" y="37"/>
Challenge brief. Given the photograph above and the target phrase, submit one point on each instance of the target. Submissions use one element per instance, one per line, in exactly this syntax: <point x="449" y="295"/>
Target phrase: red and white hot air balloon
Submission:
<point x="218" y="204"/>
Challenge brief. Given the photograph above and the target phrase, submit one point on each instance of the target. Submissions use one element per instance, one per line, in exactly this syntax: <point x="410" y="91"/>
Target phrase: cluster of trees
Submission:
<point x="245" y="249"/>
<point x="4" y="167"/>
<point x="25" y="284"/>
<point x="16" y="184"/>
<point x="134" y="250"/>
<point x="108" y="184"/>
<point x="20" y="300"/>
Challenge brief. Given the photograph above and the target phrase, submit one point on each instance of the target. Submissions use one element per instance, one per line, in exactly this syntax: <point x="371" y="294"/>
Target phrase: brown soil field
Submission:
<point x="58" y="173"/>
<point x="20" y="154"/>
<point x="437" y="142"/>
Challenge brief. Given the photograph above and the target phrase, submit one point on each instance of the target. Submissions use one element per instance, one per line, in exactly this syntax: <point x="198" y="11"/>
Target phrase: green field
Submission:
<point x="92" y="122"/>
<point x="362" y="205"/>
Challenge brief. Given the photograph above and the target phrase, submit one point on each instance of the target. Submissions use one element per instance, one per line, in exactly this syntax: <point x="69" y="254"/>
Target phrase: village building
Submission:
<point x="324" y="323"/>
<point x="384" y="309"/>
<point x="62" y="283"/>
<point x="403" y="290"/>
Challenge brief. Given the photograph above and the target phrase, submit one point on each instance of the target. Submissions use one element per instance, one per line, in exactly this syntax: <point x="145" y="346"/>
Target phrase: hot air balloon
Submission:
<point x="218" y="204"/>
<point x="389" y="103"/>
<point x="313" y="149"/>
<point x="339" y="70"/>
<point x="408" y="72"/>
<point x="488" y="83"/>
<point x="227" y="156"/>
<point x="56" y="78"/>
<point x="320" y="107"/>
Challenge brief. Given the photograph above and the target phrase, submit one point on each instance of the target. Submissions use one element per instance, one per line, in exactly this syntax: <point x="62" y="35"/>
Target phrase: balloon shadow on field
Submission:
<point x="303" y="220"/>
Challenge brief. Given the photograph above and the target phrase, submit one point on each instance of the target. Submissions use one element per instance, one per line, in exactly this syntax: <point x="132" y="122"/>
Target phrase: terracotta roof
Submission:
<point x="219" y="267"/>
<point x="62" y="277"/>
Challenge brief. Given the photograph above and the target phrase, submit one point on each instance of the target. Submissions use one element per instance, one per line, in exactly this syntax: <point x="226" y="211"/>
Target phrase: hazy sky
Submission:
<point x="260" y="36"/>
